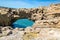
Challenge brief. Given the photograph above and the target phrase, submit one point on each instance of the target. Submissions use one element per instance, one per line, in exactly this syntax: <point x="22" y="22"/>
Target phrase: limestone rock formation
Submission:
<point x="52" y="12"/>
<point x="46" y="26"/>
<point x="43" y="34"/>
<point x="52" y="23"/>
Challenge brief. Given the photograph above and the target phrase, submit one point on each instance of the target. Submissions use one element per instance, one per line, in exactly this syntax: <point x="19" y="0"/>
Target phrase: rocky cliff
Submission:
<point x="40" y="13"/>
<point x="46" y="26"/>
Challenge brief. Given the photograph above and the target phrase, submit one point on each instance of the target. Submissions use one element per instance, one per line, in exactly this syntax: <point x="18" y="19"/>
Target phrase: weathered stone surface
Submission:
<point x="4" y="10"/>
<point x="52" y="23"/>
<point x="52" y="12"/>
<point x="46" y="26"/>
<point x="49" y="34"/>
<point x="44" y="34"/>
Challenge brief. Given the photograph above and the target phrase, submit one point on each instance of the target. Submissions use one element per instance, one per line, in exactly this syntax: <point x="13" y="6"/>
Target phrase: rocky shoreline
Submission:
<point x="30" y="34"/>
<point x="46" y="26"/>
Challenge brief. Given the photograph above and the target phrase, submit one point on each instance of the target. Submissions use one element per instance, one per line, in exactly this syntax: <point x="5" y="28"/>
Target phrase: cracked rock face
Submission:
<point x="52" y="23"/>
<point x="46" y="26"/>
<point x="44" y="34"/>
<point x="42" y="13"/>
<point x="52" y="12"/>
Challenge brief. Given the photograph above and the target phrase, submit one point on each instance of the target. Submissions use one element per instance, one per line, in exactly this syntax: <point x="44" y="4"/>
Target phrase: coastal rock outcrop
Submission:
<point x="46" y="26"/>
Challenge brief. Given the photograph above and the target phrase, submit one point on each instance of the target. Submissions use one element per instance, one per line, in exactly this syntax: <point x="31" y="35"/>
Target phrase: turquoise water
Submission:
<point x="22" y="23"/>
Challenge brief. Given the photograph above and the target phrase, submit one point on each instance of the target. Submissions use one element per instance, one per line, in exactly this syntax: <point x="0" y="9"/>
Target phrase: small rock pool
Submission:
<point x="22" y="23"/>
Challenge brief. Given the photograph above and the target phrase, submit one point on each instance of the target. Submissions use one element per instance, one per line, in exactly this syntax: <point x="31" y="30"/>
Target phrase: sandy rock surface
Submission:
<point x="46" y="26"/>
<point x="43" y="34"/>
